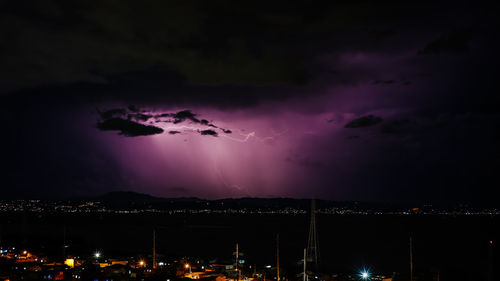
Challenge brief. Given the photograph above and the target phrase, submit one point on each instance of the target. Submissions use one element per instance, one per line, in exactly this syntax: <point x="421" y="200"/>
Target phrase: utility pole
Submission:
<point x="305" y="267"/>
<point x="237" y="261"/>
<point x="154" y="248"/>
<point x="411" y="259"/>
<point x="490" y="261"/>
<point x="278" y="256"/>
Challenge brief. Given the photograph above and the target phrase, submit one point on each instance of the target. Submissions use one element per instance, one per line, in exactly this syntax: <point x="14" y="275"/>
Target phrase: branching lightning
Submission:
<point x="245" y="137"/>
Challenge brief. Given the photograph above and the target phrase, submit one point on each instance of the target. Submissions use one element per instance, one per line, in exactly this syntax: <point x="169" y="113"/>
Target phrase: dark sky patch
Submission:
<point x="133" y="108"/>
<point x="398" y="126"/>
<point x="377" y="82"/>
<point x="456" y="42"/>
<point x="365" y="121"/>
<point x="310" y="163"/>
<point x="413" y="126"/>
<point x="112" y="113"/>
<point x="179" y="191"/>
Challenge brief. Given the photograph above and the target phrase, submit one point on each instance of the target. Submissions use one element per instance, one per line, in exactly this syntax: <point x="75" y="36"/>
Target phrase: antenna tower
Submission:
<point x="312" y="243"/>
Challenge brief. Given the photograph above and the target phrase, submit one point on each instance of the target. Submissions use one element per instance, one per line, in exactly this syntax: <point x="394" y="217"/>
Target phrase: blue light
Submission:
<point x="364" y="274"/>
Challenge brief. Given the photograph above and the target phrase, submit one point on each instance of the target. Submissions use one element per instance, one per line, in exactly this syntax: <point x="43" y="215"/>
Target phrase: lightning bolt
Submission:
<point x="183" y="127"/>
<point x="232" y="187"/>
<point x="245" y="137"/>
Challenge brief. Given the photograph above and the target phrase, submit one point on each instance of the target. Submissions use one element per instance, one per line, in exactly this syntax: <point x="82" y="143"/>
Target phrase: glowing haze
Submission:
<point x="346" y="101"/>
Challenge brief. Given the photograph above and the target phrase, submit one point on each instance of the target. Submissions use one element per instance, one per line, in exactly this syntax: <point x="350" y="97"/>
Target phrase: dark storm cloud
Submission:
<point x="208" y="133"/>
<point x="111" y="113"/>
<point x="128" y="128"/>
<point x="59" y="42"/>
<point x="222" y="53"/>
<point x="184" y="115"/>
<point x="140" y="116"/>
<point x="365" y="121"/>
<point x="119" y="119"/>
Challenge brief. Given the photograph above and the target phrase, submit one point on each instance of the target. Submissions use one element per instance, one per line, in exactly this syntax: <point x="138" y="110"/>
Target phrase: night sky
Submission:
<point x="355" y="100"/>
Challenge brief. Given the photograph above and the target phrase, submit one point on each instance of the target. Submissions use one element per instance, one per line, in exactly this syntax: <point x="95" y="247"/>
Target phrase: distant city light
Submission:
<point x="97" y="255"/>
<point x="141" y="263"/>
<point x="187" y="265"/>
